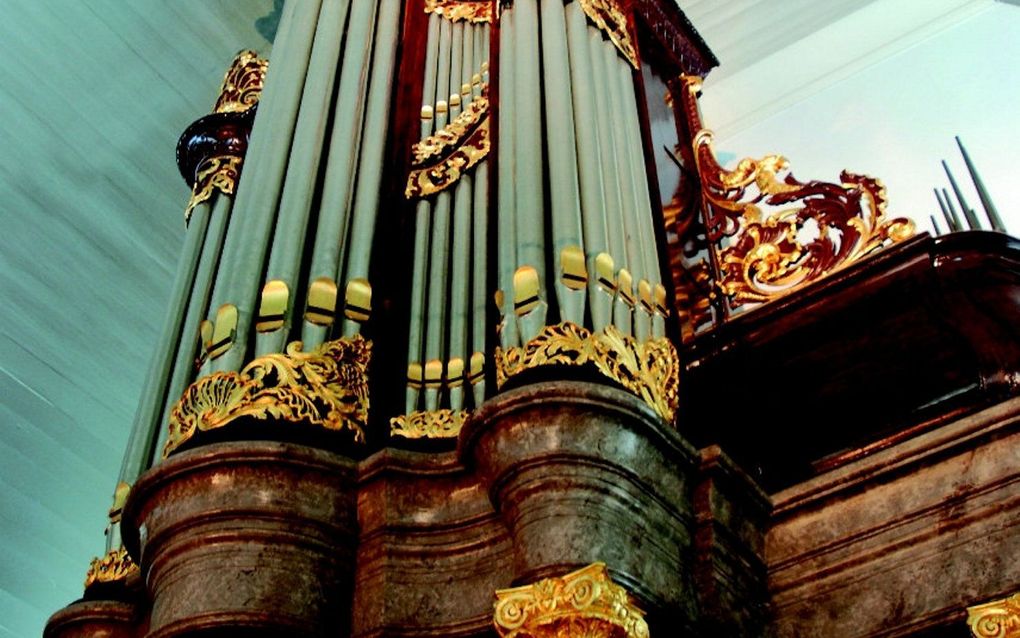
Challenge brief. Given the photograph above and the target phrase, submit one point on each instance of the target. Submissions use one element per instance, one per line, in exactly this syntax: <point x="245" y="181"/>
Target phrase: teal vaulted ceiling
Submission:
<point x="93" y="94"/>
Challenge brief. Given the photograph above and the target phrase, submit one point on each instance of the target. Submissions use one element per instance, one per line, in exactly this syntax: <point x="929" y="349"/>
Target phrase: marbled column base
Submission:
<point x="94" y="619"/>
<point x="583" y="472"/>
<point x="246" y="539"/>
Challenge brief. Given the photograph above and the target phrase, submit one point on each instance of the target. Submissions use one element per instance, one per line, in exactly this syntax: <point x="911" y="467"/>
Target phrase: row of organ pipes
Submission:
<point x="446" y="324"/>
<point x="574" y="225"/>
<point x="599" y="230"/>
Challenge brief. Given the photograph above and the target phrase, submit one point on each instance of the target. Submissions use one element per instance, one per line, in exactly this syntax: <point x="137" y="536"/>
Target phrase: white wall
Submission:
<point x="897" y="117"/>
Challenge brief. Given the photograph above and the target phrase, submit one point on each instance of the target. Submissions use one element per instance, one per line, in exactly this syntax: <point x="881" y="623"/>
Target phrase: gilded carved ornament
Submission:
<point x="327" y="387"/>
<point x="454" y="10"/>
<point x="649" y="370"/>
<point x="219" y="173"/>
<point x="242" y="83"/>
<point x="997" y="619"/>
<point x="115" y="566"/>
<point x="774" y="234"/>
<point x="470" y="146"/>
<point x="607" y="16"/>
<point x="583" y="603"/>
<point x="239" y="92"/>
<point x="433" y="424"/>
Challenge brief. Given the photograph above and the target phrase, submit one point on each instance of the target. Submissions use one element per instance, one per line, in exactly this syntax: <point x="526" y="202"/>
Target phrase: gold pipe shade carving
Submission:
<point x="436" y="424"/>
<point x="774" y="234"/>
<point x="216" y="174"/>
<point x="440" y="159"/>
<point x="327" y="387"/>
<point x="240" y="91"/>
<point x="582" y="603"/>
<point x="997" y="619"/>
<point x="607" y="16"/>
<point x="649" y="370"/>
<point x="242" y="83"/>
<point x="454" y="10"/>
<point x="116" y="566"/>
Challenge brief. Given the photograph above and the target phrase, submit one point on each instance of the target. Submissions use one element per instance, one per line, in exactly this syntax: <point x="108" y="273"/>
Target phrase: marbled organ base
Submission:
<point x="265" y="538"/>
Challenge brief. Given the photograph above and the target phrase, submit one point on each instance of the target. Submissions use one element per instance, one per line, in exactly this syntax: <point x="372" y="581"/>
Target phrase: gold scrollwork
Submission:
<point x="117" y="565"/>
<point x="454" y="10"/>
<point x="327" y="387"/>
<point x="434" y="424"/>
<point x="242" y="83"/>
<point x="997" y="619"/>
<point x="814" y="228"/>
<point x="649" y="370"/>
<point x="610" y="20"/>
<point x="430" y="179"/>
<point x="582" y="603"/>
<point x="452" y="134"/>
<point x="219" y="173"/>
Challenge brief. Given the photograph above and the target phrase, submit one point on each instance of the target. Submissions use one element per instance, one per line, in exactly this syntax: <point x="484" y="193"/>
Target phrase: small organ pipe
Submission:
<point x="562" y="151"/>
<point x="506" y="248"/>
<point x="590" y="176"/>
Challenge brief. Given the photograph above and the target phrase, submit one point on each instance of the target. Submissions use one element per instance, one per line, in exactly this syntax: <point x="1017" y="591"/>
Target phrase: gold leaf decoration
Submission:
<point x="242" y="83"/>
<point x="113" y="567"/>
<point x="583" y="603"/>
<point x="649" y="370"/>
<point x="452" y="134"/>
<point x="218" y="173"/>
<point x="454" y="10"/>
<point x="606" y="15"/>
<point x="327" y="387"/>
<point x="434" y="424"/>
<point x="997" y="619"/>
<point x="773" y="234"/>
<point x="440" y="159"/>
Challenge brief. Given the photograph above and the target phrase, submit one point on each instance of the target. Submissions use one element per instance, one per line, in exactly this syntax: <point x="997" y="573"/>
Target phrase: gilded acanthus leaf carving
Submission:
<point x="219" y="173"/>
<point x="649" y="370"/>
<point x="327" y="387"/>
<point x="434" y="424"/>
<point x="584" y="603"/>
<point x="433" y="178"/>
<point x="774" y="234"/>
<point x="115" y="566"/>
<point x="451" y="135"/>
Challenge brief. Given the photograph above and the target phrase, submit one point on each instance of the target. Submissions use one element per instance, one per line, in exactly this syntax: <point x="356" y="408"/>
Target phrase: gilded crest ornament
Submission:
<point x="997" y="619"/>
<point x="327" y="387"/>
<point x="434" y="424"/>
<point x="583" y="603"/>
<point x="773" y="234"/>
<point x="649" y="370"/>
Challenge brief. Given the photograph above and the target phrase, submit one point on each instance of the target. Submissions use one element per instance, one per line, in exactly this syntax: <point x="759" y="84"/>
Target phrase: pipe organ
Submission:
<point x="419" y="373"/>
